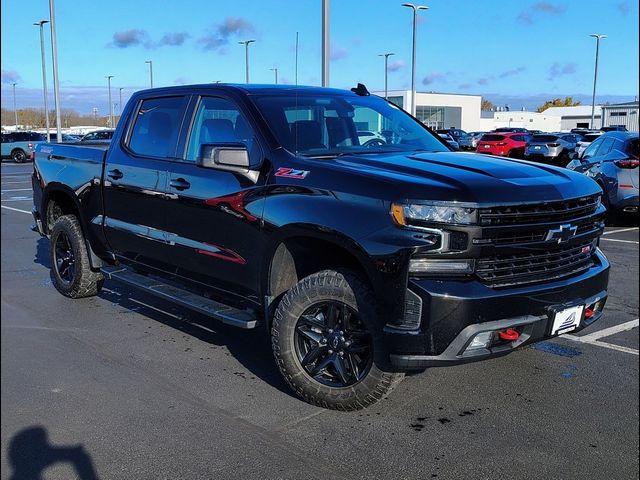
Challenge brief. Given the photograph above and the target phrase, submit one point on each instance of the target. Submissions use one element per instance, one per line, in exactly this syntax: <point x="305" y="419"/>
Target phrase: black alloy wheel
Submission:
<point x="333" y="346"/>
<point x="64" y="258"/>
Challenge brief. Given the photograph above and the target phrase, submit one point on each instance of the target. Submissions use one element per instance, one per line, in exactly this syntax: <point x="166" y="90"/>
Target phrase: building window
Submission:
<point x="398" y="101"/>
<point x="432" y="117"/>
<point x="618" y="114"/>
<point x="531" y="120"/>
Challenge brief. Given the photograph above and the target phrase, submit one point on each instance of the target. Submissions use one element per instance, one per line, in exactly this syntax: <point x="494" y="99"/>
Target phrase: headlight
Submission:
<point x="427" y="266"/>
<point x="413" y="214"/>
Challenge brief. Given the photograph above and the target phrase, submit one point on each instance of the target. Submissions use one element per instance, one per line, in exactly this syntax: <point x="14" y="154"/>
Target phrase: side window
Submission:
<point x="591" y="149"/>
<point x="218" y="121"/>
<point x="156" y="127"/>
<point x="605" y="147"/>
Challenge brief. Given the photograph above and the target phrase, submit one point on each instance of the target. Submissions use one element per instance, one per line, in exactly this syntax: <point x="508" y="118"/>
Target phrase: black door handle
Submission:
<point x="115" y="174"/>
<point x="179" y="184"/>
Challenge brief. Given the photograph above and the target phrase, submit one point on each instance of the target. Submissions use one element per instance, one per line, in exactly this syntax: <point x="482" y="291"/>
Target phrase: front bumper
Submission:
<point x="454" y="311"/>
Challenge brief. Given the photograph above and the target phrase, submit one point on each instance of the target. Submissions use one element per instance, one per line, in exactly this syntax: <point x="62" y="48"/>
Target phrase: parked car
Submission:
<point x="612" y="161"/>
<point x="552" y="148"/>
<point x="70" y="138"/>
<point x="508" y="144"/>
<point x="449" y="139"/>
<point x="371" y="139"/>
<point x="475" y="138"/>
<point x="256" y="206"/>
<point x="19" y="146"/>
<point x="510" y="129"/>
<point x="462" y="138"/>
<point x="614" y="128"/>
<point x="98" y="136"/>
<point x="585" y="141"/>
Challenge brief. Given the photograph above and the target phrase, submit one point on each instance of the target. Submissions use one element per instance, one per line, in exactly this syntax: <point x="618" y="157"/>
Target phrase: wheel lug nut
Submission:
<point x="331" y="330"/>
<point x="330" y="352"/>
<point x="342" y="339"/>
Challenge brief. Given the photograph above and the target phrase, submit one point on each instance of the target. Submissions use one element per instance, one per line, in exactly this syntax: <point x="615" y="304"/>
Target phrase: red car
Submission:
<point x="503" y="144"/>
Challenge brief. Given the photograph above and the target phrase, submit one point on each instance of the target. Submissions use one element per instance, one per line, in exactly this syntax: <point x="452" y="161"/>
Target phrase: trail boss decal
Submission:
<point x="291" y="173"/>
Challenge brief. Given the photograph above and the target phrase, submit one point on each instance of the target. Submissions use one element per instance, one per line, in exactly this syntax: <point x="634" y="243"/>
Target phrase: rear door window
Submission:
<point x="492" y="138"/>
<point x="156" y="128"/>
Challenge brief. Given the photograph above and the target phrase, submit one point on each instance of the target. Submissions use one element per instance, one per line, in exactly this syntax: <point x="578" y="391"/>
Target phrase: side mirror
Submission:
<point x="231" y="157"/>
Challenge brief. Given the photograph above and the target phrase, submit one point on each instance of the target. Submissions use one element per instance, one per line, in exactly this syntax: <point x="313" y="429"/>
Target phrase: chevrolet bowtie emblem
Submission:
<point x="562" y="234"/>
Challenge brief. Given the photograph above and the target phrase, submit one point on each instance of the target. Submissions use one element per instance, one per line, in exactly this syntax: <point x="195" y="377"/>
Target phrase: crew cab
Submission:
<point x="259" y="207"/>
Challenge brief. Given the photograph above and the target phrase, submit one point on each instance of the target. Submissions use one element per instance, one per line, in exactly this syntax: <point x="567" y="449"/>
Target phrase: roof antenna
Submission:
<point x="361" y="90"/>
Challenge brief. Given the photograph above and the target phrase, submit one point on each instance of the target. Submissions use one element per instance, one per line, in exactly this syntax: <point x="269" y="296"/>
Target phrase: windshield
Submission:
<point x="328" y="125"/>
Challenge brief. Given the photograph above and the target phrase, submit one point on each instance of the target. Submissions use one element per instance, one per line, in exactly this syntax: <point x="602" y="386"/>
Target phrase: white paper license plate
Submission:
<point x="566" y="320"/>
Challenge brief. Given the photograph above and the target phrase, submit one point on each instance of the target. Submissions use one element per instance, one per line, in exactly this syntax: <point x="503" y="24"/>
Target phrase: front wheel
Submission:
<point x="328" y="344"/>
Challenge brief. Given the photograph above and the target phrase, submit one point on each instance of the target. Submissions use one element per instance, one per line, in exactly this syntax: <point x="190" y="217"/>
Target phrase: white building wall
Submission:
<point x="520" y="119"/>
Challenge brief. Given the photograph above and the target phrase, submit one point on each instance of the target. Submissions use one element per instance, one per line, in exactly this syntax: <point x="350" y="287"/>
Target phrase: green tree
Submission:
<point x="558" y="102"/>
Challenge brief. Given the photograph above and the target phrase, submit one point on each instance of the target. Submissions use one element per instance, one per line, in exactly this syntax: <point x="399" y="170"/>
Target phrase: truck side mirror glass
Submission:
<point x="231" y="157"/>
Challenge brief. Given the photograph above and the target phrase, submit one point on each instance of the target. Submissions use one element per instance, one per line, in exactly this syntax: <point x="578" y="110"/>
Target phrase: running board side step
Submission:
<point x="198" y="303"/>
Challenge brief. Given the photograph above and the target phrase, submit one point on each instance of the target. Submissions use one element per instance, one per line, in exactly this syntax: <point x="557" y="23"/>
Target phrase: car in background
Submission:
<point x="475" y="138"/>
<point x="614" y="128"/>
<point x="552" y="148"/>
<point x="450" y="141"/>
<point x="19" y="146"/>
<point x="510" y="129"/>
<point x="612" y="161"/>
<point x="535" y="132"/>
<point x="586" y="140"/>
<point x="67" y="138"/>
<point x="508" y="144"/>
<point x="98" y="136"/>
<point x="462" y="138"/>
<point x="371" y="139"/>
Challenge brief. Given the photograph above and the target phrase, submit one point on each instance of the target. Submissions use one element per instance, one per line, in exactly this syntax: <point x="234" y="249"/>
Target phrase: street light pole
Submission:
<point x="121" y="88"/>
<point x="386" y="59"/>
<point x="275" y="71"/>
<point x="325" y="43"/>
<point x="415" y="9"/>
<point x="56" y="83"/>
<point x="598" y="37"/>
<point x="15" y="110"/>
<point x="40" y="24"/>
<point x="109" y="77"/>
<point x="246" y="44"/>
<point x="150" y="62"/>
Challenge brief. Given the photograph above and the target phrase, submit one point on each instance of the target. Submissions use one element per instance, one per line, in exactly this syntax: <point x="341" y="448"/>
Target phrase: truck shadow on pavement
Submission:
<point x="30" y="453"/>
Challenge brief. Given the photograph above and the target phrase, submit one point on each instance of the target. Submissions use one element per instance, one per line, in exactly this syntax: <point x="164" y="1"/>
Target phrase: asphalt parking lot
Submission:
<point x="126" y="386"/>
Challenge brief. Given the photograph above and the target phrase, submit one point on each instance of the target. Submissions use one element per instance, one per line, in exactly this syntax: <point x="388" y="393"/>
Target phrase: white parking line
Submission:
<point x="16" y="209"/>
<point x="593" y="338"/>
<point x="16" y="190"/>
<point x="11" y="183"/>
<point x="617" y="240"/>
<point x="610" y="232"/>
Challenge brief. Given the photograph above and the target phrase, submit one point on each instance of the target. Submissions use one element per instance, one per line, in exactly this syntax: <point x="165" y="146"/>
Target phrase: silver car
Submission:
<point x="462" y="138"/>
<point x="552" y="148"/>
<point x="587" y="138"/>
<point x="475" y="138"/>
<point x="612" y="161"/>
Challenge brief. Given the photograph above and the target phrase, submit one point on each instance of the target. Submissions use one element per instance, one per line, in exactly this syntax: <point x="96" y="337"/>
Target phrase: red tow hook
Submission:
<point x="509" y="335"/>
<point x="588" y="313"/>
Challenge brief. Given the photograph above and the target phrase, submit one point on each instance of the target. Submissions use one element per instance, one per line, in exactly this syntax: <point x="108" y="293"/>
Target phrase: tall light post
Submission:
<point x="121" y="88"/>
<point x="56" y="83"/>
<point x="246" y="44"/>
<point x="386" y="71"/>
<point x="150" y="62"/>
<point x="325" y="43"/>
<point x="415" y="9"/>
<point x="275" y="71"/>
<point x="598" y="37"/>
<point x="15" y="110"/>
<point x="40" y="24"/>
<point x="109" y="77"/>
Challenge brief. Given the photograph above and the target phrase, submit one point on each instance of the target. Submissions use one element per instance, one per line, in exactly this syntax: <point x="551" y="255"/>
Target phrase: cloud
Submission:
<point x="10" y="76"/>
<point x="529" y="15"/>
<point x="464" y="86"/>
<point x="174" y="39"/>
<point x="337" y="53"/>
<point x="624" y="7"/>
<point x="514" y="71"/>
<point x="131" y="38"/>
<point x="182" y="81"/>
<point x="221" y="34"/>
<point x="484" y="80"/>
<point x="433" y="77"/>
<point x="559" y="69"/>
<point x="397" y="65"/>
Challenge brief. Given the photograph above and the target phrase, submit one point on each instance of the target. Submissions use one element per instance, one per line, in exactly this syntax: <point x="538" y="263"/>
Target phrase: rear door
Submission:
<point x="213" y="216"/>
<point x="135" y="181"/>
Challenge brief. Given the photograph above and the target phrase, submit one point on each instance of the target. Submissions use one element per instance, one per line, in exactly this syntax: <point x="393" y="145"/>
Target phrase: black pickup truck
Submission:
<point x="259" y="207"/>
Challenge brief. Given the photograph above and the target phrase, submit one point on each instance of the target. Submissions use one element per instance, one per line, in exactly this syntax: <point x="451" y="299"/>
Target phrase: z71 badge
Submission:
<point x="291" y="173"/>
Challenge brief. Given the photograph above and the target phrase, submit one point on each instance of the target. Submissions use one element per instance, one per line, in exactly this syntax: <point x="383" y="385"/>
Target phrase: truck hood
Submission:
<point x="469" y="177"/>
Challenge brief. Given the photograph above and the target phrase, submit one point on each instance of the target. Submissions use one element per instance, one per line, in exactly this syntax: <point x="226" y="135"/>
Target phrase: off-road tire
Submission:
<point x="85" y="282"/>
<point x="347" y="288"/>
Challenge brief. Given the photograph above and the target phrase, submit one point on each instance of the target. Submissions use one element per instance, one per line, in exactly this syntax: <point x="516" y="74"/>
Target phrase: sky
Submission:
<point x="517" y="52"/>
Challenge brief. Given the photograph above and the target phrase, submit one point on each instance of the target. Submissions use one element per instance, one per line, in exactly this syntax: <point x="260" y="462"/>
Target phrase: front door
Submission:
<point x="213" y="217"/>
<point x="136" y="180"/>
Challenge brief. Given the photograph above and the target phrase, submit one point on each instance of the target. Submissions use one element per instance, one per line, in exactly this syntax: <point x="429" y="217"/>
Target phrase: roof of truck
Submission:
<point x="254" y="89"/>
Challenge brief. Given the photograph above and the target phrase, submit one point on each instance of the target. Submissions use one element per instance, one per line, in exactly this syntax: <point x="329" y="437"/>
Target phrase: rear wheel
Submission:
<point x="328" y="343"/>
<point x="70" y="268"/>
<point x="18" y="155"/>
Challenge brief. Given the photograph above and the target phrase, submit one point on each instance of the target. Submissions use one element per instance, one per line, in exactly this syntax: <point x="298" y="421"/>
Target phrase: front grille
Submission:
<point x="539" y="213"/>
<point x="535" y="266"/>
<point x="535" y="233"/>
